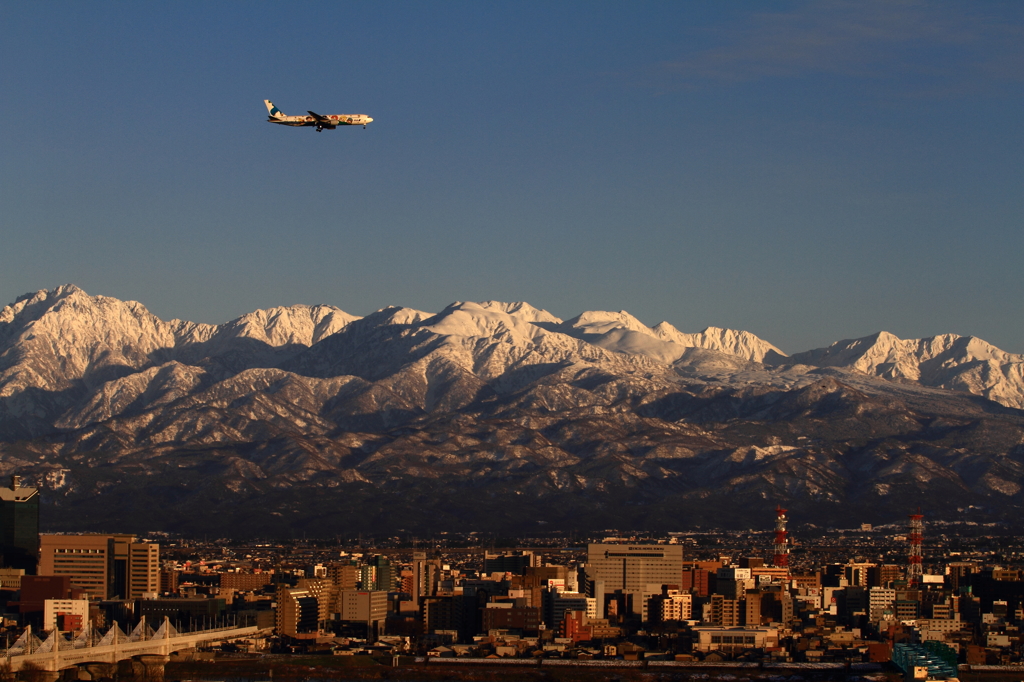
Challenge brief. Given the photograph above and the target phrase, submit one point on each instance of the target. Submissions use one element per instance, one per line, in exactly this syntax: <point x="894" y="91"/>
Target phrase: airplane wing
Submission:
<point x="318" y="117"/>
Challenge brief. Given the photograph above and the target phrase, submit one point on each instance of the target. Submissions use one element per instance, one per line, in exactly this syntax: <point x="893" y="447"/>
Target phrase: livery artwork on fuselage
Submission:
<point x="330" y="122"/>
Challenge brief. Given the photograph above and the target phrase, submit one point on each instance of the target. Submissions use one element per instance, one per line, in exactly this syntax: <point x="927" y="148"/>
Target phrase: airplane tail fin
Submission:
<point x="272" y="110"/>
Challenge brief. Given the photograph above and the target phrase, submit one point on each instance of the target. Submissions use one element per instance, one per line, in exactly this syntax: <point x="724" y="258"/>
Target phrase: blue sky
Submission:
<point x="805" y="171"/>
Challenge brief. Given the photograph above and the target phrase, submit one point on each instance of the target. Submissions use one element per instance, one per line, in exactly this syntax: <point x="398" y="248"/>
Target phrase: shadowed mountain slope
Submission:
<point x="488" y="416"/>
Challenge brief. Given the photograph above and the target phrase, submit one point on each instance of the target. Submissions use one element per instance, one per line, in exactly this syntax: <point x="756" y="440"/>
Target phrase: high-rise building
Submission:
<point x="104" y="566"/>
<point x="19" y="525"/>
<point x="364" y="606"/>
<point x="378" y="575"/>
<point x="298" y="613"/>
<point x="344" y="575"/>
<point x="629" y="569"/>
<point x="859" y="573"/>
<point x="326" y="594"/>
<point x="426" y="574"/>
<point x="725" y="612"/>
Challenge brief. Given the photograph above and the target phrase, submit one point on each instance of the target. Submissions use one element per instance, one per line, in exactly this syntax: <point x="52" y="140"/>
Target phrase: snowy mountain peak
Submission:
<point x="730" y="341"/>
<point x="522" y="310"/>
<point x="603" y="321"/>
<point x="64" y="340"/>
<point x="297" y="324"/>
<point x="962" y="363"/>
<point x="482" y="320"/>
<point x="34" y="303"/>
<point x="394" y="314"/>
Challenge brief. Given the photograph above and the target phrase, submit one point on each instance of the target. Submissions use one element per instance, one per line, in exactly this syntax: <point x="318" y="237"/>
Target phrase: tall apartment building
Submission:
<point x="19" y="525"/>
<point x="297" y="614"/>
<point x="676" y="605"/>
<point x="426" y="574"/>
<point x="344" y="575"/>
<point x="884" y="575"/>
<point x="326" y="594"/>
<point x="143" y="567"/>
<point x="104" y="566"/>
<point x="725" y="612"/>
<point x="767" y="605"/>
<point x="881" y="601"/>
<point x="857" y="573"/>
<point x="630" y="569"/>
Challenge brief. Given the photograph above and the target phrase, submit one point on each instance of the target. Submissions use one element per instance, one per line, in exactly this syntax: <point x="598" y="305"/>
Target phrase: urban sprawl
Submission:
<point x="924" y="601"/>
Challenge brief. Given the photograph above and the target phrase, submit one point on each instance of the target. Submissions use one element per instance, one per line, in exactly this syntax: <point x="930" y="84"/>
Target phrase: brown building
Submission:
<point x="771" y="573"/>
<point x="441" y="613"/>
<point x="725" y="613"/>
<point x="628" y="570"/>
<point x="298" y="614"/>
<point x="36" y="589"/>
<point x="810" y="581"/>
<point x="698" y="577"/>
<point x="530" y="585"/>
<point x="426" y="574"/>
<point x="498" y="616"/>
<point x="363" y="606"/>
<point x="884" y="575"/>
<point x="244" y="582"/>
<point x="326" y="594"/>
<point x="345" y="576"/>
<point x="104" y="566"/>
<point x="169" y="581"/>
<point x="579" y="627"/>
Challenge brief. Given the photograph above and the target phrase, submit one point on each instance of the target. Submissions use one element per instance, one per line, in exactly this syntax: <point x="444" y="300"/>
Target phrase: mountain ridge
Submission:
<point x="473" y="412"/>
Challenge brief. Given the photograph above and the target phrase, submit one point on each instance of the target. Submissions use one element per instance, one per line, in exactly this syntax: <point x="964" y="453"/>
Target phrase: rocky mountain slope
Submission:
<point x="489" y="416"/>
<point x="960" y="363"/>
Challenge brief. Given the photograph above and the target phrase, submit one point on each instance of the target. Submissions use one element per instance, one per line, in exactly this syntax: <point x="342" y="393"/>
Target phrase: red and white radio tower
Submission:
<point x="914" y="539"/>
<point x="781" y="538"/>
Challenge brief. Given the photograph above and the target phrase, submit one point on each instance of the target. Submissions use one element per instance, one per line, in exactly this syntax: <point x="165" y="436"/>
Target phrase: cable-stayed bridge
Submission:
<point x="95" y="652"/>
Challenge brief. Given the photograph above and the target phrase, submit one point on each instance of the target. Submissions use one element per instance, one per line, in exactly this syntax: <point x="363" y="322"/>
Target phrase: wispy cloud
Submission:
<point x="929" y="43"/>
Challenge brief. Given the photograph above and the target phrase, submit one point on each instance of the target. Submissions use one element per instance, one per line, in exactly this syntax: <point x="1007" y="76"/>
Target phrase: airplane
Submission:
<point x="314" y="119"/>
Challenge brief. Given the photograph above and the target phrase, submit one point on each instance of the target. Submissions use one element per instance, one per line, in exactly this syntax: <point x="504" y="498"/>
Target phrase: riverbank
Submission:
<point x="295" y="668"/>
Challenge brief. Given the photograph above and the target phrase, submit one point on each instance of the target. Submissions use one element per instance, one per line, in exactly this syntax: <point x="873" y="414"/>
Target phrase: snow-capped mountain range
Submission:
<point x="294" y="403"/>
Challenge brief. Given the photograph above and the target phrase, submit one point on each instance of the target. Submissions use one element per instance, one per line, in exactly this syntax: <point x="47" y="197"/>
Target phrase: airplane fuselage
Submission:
<point x="315" y="120"/>
<point x="326" y="121"/>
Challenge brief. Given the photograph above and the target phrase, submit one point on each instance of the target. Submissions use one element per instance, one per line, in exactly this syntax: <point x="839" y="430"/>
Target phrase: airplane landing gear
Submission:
<point x="319" y="129"/>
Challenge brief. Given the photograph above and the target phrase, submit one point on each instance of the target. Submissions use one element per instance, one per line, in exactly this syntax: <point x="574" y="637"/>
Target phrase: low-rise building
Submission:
<point x="735" y="639"/>
<point x="65" y="614"/>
